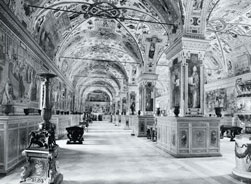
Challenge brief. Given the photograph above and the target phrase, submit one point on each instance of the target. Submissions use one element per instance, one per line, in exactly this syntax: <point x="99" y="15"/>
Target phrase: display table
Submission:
<point x="189" y="136"/>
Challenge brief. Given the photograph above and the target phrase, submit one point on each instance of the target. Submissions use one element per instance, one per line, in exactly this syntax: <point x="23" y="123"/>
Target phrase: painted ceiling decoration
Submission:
<point x="94" y="89"/>
<point x="98" y="38"/>
<point x="229" y="32"/>
<point x="94" y="42"/>
<point x="99" y="84"/>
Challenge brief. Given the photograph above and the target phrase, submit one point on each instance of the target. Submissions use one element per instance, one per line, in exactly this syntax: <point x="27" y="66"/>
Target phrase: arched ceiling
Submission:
<point x="229" y="32"/>
<point x="94" y="41"/>
<point x="112" y="31"/>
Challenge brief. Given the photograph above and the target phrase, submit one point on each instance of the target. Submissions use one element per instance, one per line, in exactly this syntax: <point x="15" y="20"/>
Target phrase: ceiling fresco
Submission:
<point x="98" y="38"/>
<point x="94" y="42"/>
<point x="229" y="32"/>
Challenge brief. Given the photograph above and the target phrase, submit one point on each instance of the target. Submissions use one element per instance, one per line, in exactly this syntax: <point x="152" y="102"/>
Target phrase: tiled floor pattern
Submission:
<point x="110" y="155"/>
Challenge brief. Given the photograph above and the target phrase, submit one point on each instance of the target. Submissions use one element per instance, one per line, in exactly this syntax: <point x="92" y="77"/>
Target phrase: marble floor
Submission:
<point x="110" y="155"/>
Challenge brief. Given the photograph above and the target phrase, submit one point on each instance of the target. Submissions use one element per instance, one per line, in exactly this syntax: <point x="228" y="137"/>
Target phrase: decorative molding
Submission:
<point x="147" y="77"/>
<point x="187" y="46"/>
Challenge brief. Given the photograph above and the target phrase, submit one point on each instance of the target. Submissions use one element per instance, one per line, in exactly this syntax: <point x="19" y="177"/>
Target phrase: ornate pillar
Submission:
<point x="147" y="93"/>
<point x="187" y="76"/>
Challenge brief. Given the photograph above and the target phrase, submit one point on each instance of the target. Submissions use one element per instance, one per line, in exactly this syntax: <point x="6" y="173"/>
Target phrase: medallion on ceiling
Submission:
<point x="101" y="9"/>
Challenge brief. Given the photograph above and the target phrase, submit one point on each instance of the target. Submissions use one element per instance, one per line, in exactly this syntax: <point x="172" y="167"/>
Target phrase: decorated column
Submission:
<point x="188" y="133"/>
<point x="187" y="77"/>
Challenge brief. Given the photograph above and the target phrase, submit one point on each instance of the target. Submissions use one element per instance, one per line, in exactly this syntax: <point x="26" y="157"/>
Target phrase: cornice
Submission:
<point x="186" y="44"/>
<point x="10" y="20"/>
<point x="194" y="44"/>
<point x="151" y="77"/>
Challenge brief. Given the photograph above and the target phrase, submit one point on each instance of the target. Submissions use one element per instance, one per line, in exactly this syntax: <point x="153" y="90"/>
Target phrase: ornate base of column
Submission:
<point x="41" y="167"/>
<point x="142" y="124"/>
<point x="185" y="137"/>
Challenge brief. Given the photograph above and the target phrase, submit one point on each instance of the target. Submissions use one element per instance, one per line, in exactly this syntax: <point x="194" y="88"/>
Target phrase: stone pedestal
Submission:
<point x="141" y="124"/>
<point x="125" y="121"/>
<point x="242" y="171"/>
<point x="41" y="167"/>
<point x="189" y="136"/>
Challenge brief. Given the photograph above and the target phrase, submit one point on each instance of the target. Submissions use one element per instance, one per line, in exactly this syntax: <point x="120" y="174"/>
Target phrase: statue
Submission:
<point x="176" y="89"/>
<point x="132" y="107"/>
<point x="152" y="46"/>
<point x="194" y="89"/>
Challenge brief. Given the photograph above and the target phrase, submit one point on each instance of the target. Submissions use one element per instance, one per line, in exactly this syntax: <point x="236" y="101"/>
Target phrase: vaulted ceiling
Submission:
<point x="99" y="42"/>
<point x="229" y="32"/>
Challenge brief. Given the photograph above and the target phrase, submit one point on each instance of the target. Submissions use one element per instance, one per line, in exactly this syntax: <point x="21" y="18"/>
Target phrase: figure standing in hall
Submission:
<point x="194" y="89"/>
<point x="176" y="89"/>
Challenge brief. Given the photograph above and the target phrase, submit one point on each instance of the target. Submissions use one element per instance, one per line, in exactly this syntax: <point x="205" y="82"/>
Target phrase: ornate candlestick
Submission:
<point x="42" y="151"/>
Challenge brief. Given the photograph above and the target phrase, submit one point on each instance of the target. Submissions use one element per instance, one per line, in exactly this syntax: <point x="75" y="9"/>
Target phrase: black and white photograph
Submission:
<point x="125" y="91"/>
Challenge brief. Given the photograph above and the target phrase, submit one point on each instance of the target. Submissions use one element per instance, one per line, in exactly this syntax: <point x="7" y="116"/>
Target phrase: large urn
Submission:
<point x="242" y="170"/>
<point x="243" y="157"/>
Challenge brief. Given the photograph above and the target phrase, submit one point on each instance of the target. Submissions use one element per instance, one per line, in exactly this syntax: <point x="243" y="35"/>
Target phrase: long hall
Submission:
<point x="110" y="155"/>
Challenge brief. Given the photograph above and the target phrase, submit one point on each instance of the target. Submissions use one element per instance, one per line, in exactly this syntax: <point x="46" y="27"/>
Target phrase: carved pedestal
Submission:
<point x="189" y="136"/>
<point x="141" y="125"/>
<point x="242" y="170"/>
<point x="41" y="167"/>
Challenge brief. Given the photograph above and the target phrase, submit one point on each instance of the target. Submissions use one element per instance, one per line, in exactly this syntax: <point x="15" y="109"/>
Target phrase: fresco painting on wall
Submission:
<point x="176" y="74"/>
<point x="98" y="96"/>
<point x="224" y="98"/>
<point x="243" y="65"/>
<point x="19" y="82"/>
<point x="98" y="107"/>
<point x="193" y="82"/>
